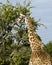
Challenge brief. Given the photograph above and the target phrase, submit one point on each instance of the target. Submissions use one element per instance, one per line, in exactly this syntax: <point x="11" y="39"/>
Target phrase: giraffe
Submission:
<point x="38" y="55"/>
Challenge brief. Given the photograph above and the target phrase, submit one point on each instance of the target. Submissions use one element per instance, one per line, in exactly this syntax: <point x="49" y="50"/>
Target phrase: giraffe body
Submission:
<point x="38" y="55"/>
<point x="39" y="58"/>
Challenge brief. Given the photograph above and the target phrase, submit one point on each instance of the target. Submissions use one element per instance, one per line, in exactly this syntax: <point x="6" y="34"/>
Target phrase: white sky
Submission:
<point x="43" y="11"/>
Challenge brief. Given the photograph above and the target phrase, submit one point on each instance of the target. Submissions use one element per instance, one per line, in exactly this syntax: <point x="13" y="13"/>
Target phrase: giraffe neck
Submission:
<point x="35" y="43"/>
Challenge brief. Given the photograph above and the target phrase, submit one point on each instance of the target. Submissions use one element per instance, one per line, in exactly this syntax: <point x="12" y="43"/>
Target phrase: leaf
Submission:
<point x="28" y="4"/>
<point x="24" y="2"/>
<point x="42" y="25"/>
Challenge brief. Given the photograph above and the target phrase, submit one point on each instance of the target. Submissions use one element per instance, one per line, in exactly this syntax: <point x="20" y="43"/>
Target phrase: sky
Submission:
<point x="42" y="11"/>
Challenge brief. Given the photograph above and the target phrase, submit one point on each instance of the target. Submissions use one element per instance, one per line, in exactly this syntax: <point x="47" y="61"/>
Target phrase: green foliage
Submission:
<point x="48" y="48"/>
<point x="11" y="52"/>
<point x="8" y="13"/>
<point x="20" y="56"/>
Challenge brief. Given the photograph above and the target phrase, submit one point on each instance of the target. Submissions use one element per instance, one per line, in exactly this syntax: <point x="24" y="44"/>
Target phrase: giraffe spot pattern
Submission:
<point x="38" y="56"/>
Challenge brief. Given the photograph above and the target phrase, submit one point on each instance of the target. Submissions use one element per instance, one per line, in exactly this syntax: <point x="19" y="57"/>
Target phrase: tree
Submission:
<point x="48" y="47"/>
<point x="18" y="53"/>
